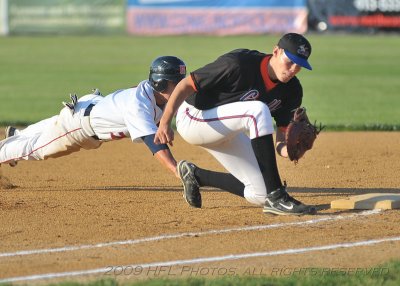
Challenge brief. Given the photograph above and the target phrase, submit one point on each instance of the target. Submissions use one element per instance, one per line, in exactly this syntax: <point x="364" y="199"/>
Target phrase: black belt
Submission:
<point x="88" y="109"/>
<point x="87" y="113"/>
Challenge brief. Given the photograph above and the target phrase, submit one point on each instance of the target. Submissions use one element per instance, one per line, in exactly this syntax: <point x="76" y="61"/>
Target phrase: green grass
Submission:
<point x="354" y="84"/>
<point x="387" y="274"/>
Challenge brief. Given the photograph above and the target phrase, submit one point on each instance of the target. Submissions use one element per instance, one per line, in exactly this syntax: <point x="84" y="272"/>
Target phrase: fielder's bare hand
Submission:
<point x="164" y="134"/>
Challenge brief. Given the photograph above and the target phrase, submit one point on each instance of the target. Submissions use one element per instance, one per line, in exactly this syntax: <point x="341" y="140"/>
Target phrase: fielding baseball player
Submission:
<point x="89" y="121"/>
<point x="227" y="106"/>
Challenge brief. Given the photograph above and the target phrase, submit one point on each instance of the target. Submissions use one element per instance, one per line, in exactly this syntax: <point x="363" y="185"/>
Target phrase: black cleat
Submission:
<point x="279" y="202"/>
<point x="191" y="188"/>
<point x="9" y="131"/>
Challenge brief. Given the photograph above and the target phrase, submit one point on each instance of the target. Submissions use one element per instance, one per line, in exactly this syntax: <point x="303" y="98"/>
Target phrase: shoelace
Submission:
<point x="288" y="198"/>
<point x="188" y="175"/>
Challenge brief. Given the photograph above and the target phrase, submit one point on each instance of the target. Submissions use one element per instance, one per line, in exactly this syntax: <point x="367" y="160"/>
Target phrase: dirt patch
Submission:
<point x="119" y="193"/>
<point x="5" y="182"/>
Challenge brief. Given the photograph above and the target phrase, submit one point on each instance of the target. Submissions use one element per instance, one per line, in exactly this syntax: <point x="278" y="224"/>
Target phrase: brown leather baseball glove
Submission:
<point x="300" y="134"/>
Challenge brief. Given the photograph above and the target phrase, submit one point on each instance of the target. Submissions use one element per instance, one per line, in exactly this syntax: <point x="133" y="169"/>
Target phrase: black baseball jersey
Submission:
<point x="242" y="75"/>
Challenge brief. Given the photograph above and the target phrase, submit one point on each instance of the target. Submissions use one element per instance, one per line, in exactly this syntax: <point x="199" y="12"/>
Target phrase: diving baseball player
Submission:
<point x="89" y="121"/>
<point x="227" y="106"/>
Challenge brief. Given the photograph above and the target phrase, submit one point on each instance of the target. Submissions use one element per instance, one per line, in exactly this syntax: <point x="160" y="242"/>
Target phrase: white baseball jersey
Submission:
<point x="129" y="112"/>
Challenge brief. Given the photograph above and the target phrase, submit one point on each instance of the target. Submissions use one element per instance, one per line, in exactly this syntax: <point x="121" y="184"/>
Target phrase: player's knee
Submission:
<point x="256" y="200"/>
<point x="255" y="197"/>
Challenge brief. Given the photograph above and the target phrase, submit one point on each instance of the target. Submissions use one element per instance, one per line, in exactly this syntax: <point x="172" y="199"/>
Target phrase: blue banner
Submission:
<point x="217" y="3"/>
<point x="218" y="17"/>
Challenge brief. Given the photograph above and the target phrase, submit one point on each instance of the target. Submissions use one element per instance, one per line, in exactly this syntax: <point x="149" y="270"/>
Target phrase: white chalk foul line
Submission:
<point x="180" y="235"/>
<point x="103" y="270"/>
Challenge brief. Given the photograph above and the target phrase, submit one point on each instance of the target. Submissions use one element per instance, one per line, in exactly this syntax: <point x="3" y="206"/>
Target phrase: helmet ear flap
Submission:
<point x="160" y="85"/>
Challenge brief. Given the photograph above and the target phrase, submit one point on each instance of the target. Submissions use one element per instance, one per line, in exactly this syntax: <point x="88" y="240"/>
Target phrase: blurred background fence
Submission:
<point x="211" y="17"/>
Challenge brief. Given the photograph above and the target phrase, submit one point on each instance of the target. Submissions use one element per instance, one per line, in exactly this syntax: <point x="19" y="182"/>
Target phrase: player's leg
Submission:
<point x="50" y="141"/>
<point x="214" y="129"/>
<point x="69" y="133"/>
<point x="23" y="142"/>
<point x="218" y="130"/>
<point x="29" y="131"/>
<point x="59" y="137"/>
<point x="223" y="181"/>
<point x="193" y="178"/>
<point x="37" y="127"/>
<point x="240" y="155"/>
<point x="230" y="183"/>
<point x="237" y="157"/>
<point x="233" y="157"/>
<point x="244" y="177"/>
<point x="213" y="126"/>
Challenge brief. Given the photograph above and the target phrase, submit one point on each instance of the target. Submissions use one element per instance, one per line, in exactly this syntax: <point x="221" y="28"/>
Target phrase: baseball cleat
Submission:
<point x="279" y="202"/>
<point x="8" y="132"/>
<point x="191" y="188"/>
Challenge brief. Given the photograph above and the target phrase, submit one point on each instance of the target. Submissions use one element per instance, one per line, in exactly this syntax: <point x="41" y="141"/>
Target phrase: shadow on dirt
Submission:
<point x="344" y="191"/>
<point x="317" y="191"/>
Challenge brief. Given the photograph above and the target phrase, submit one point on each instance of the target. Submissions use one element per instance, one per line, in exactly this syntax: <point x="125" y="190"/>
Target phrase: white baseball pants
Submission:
<point x="226" y="132"/>
<point x="57" y="136"/>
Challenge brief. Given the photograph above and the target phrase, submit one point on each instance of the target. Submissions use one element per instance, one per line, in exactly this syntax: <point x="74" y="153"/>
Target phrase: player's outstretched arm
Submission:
<point x="166" y="159"/>
<point x="161" y="152"/>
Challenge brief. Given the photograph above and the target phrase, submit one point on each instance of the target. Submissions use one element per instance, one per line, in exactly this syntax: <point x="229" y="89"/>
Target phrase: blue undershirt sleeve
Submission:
<point x="154" y="148"/>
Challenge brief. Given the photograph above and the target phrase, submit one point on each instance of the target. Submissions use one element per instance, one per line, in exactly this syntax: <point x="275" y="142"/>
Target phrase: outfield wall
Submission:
<point x="66" y="16"/>
<point x="211" y="17"/>
<point x="3" y="17"/>
<point x="156" y="17"/>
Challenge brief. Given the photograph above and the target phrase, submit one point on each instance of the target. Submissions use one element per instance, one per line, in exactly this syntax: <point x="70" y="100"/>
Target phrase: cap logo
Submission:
<point x="303" y="50"/>
<point x="182" y="69"/>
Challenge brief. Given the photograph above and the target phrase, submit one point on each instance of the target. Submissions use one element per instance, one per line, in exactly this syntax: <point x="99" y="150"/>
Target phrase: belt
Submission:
<point x="87" y="113"/>
<point x="88" y="109"/>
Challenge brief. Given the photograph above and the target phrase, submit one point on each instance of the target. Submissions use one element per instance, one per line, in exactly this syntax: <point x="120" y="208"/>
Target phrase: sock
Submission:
<point x="223" y="181"/>
<point x="264" y="150"/>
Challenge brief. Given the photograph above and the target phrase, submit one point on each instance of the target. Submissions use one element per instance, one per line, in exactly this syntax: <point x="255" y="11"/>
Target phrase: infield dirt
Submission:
<point x="119" y="192"/>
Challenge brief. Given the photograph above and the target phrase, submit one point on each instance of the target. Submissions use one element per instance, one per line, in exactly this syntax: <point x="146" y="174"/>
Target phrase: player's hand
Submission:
<point x="164" y="135"/>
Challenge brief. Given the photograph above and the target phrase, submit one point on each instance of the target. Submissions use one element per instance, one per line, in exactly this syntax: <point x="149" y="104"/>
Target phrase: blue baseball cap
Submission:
<point x="297" y="49"/>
